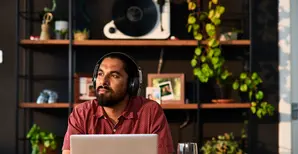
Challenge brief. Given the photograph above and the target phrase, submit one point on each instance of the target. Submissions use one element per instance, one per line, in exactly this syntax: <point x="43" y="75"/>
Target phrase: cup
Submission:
<point x="187" y="148"/>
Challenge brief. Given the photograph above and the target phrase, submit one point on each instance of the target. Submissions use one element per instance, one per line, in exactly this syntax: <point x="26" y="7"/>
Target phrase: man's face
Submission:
<point x="111" y="82"/>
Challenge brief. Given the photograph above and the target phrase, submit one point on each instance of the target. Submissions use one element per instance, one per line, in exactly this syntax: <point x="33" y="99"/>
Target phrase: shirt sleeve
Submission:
<point x="75" y="126"/>
<point x="161" y="127"/>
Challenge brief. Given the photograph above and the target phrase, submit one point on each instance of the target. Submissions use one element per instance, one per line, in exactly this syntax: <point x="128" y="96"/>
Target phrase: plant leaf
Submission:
<point x="235" y="85"/>
<point x="189" y="28"/>
<point x="253" y="109"/>
<point x="192" y="6"/>
<point x="259" y="95"/>
<point x="211" y="14"/>
<point x="214" y="1"/>
<point x="191" y="19"/>
<point x="243" y="76"/>
<point x="199" y="36"/>
<point x="243" y="88"/>
<point x="198" y="51"/>
<point x="217" y="51"/>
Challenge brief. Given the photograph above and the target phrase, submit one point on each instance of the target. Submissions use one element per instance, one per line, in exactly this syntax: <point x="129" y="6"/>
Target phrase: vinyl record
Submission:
<point x="134" y="17"/>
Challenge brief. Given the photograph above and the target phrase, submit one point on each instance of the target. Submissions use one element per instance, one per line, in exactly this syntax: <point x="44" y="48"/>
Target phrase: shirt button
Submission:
<point x="114" y="130"/>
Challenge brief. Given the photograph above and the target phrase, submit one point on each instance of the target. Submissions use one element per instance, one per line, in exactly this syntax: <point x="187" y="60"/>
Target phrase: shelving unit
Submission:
<point x="163" y="43"/>
<point x="71" y="45"/>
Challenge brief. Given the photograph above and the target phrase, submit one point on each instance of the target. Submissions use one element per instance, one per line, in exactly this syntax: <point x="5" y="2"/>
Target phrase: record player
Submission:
<point x="139" y="19"/>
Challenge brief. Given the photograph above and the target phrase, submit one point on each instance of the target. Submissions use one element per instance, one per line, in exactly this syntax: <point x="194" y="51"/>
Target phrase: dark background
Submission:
<point x="53" y="61"/>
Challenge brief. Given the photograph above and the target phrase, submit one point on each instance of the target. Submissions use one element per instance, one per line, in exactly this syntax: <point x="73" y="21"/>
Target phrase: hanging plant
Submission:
<point x="249" y="83"/>
<point x="207" y="61"/>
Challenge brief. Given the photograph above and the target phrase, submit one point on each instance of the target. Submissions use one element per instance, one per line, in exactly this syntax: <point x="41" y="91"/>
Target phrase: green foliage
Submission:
<point x="85" y="31"/>
<point x="223" y="144"/>
<point x="207" y="61"/>
<point x="249" y="83"/>
<point x="46" y="9"/>
<point x="38" y="137"/>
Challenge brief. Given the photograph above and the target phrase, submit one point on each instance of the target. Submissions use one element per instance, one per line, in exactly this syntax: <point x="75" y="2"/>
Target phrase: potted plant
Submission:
<point x="42" y="142"/>
<point x="61" y="34"/>
<point x="248" y="85"/>
<point x="234" y="34"/>
<point x="223" y="144"/>
<point x="81" y="35"/>
<point x="208" y="62"/>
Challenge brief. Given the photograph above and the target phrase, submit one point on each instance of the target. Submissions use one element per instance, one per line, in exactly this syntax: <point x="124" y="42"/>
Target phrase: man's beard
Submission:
<point x="109" y="98"/>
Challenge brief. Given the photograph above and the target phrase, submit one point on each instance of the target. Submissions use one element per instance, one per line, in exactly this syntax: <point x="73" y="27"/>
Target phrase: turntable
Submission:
<point x="139" y="19"/>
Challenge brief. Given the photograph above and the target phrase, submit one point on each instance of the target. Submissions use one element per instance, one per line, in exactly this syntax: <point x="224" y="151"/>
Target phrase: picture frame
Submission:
<point x="171" y="86"/>
<point x="153" y="93"/>
<point x="83" y="87"/>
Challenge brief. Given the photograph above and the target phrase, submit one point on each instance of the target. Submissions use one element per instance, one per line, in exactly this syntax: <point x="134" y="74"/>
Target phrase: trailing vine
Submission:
<point x="208" y="61"/>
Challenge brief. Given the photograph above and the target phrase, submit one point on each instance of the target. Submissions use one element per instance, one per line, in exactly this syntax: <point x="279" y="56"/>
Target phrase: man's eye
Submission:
<point x="115" y="76"/>
<point x="100" y="74"/>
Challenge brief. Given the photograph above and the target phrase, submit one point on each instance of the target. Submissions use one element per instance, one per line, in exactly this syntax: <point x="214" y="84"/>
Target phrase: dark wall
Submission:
<point x="7" y="82"/>
<point x="53" y="61"/>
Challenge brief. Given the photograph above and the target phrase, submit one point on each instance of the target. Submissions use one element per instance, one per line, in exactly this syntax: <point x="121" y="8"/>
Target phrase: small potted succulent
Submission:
<point x="81" y="35"/>
<point x="42" y="142"/>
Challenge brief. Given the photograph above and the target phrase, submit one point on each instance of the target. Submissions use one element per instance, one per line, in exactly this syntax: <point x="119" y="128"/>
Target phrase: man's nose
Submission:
<point x="104" y="80"/>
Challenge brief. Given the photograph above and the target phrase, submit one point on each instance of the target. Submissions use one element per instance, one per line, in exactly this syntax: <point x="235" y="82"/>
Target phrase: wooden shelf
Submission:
<point x="127" y="42"/>
<point x="225" y="106"/>
<point x="45" y="105"/>
<point x="179" y="106"/>
<point x="164" y="106"/>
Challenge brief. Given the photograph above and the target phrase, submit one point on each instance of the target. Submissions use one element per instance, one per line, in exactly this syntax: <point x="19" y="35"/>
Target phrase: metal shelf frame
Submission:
<point x="72" y="68"/>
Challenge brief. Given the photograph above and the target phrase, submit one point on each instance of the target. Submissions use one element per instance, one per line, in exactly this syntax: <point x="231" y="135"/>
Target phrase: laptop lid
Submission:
<point x="114" y="144"/>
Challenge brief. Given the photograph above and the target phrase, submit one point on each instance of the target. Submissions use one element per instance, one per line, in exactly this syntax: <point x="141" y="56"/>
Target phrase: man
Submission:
<point x="117" y="109"/>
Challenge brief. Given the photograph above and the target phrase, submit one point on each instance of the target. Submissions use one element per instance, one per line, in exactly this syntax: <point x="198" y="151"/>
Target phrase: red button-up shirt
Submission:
<point x="141" y="116"/>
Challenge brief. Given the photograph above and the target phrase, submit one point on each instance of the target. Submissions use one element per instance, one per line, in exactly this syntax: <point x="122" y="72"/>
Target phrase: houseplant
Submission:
<point x="42" y="142"/>
<point x="223" y="144"/>
<point x="208" y="62"/>
<point x="81" y="35"/>
<point x="248" y="84"/>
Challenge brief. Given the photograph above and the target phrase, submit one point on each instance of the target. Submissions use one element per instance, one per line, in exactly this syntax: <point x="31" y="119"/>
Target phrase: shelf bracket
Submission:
<point x="185" y="123"/>
<point x="160" y="61"/>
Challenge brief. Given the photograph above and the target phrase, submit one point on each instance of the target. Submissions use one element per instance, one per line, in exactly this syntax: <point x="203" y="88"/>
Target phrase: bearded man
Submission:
<point x="118" y="108"/>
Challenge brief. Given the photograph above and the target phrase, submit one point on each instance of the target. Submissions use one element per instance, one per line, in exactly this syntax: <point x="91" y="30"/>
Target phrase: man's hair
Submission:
<point x="128" y="65"/>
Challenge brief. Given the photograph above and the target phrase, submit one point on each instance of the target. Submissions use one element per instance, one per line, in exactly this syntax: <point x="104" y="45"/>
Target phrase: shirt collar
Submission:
<point x="128" y="113"/>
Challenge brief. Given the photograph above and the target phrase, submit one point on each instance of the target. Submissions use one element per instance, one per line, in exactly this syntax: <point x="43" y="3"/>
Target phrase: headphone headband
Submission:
<point x="134" y="85"/>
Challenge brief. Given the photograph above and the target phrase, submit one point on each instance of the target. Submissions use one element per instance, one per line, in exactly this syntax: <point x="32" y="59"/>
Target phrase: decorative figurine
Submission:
<point x="44" y="35"/>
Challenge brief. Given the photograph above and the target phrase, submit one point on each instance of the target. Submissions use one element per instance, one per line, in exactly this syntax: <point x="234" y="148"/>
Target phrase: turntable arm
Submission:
<point x="161" y="3"/>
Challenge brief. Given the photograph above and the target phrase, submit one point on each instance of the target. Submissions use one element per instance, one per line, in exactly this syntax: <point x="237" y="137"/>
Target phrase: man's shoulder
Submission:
<point x="146" y="104"/>
<point x="84" y="106"/>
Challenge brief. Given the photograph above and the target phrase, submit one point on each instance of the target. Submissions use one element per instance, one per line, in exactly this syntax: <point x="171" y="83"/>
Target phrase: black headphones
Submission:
<point x="135" y="83"/>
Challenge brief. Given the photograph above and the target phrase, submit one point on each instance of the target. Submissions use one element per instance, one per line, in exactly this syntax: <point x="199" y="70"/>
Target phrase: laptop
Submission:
<point x="114" y="144"/>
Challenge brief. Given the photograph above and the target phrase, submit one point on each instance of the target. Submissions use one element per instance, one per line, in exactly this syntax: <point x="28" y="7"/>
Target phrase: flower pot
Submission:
<point x="49" y="150"/>
<point x="222" y="93"/>
<point x="81" y="36"/>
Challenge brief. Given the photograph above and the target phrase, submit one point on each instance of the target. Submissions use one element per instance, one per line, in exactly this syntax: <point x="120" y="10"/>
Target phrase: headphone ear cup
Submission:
<point x="95" y="75"/>
<point x="134" y="87"/>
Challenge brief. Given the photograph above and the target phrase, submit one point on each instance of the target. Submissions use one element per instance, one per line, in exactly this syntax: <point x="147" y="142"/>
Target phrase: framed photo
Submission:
<point x="171" y="87"/>
<point x="83" y="87"/>
<point x="153" y="93"/>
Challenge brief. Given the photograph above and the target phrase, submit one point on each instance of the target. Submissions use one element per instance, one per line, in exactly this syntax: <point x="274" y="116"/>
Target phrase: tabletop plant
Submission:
<point x="248" y="83"/>
<point x="41" y="141"/>
<point x="223" y="144"/>
<point x="208" y="61"/>
<point x="81" y="34"/>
